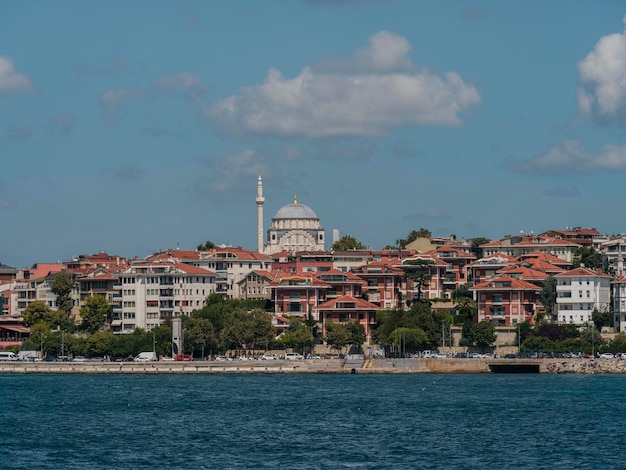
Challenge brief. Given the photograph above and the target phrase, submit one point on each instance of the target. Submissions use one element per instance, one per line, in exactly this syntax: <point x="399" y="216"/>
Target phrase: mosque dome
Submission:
<point x="295" y="210"/>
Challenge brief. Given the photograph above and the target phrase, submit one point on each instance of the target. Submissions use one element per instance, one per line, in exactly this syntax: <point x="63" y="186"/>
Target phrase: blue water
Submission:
<point x="312" y="421"/>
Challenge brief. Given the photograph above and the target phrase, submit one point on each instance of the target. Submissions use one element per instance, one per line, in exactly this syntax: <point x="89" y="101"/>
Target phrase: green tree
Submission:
<point x="39" y="334"/>
<point x="338" y="336"/>
<point x="206" y="246"/>
<point x="476" y="249"/>
<point x="585" y="255"/>
<point x="465" y="309"/>
<point x="298" y="336"/>
<point x="39" y="312"/>
<point x="346" y="243"/>
<point x="94" y="313"/>
<point x="484" y="334"/>
<point x="200" y="335"/>
<point x="409" y="339"/>
<point x="618" y="344"/>
<point x="411" y="237"/>
<point x="547" y="296"/>
<point x="62" y="287"/>
<point x="98" y="344"/>
<point x="602" y="318"/>
<point x="419" y="274"/>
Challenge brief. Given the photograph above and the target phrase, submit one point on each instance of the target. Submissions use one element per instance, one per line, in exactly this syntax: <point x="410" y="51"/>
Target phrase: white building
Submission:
<point x="619" y="304"/>
<point x="579" y="292"/>
<point x="154" y="291"/>
<point x="295" y="227"/>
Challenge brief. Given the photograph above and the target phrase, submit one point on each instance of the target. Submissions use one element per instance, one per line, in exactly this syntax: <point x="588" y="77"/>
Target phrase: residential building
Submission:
<point x="619" y="304"/>
<point x="580" y="291"/>
<point x="348" y="309"/>
<point x="580" y="235"/>
<point x="152" y="292"/>
<point x="506" y="301"/>
<point x="296" y="295"/>
<point x="255" y="286"/>
<point x="385" y="283"/>
<point x="521" y="245"/>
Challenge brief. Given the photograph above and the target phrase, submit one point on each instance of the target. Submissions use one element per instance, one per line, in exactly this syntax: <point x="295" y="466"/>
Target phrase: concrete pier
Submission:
<point x="331" y="366"/>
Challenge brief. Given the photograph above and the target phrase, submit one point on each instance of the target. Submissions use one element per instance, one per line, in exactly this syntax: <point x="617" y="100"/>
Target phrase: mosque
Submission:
<point x="295" y="227"/>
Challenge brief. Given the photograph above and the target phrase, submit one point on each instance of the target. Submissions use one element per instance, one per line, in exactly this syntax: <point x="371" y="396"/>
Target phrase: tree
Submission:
<point x="421" y="274"/>
<point x="39" y="334"/>
<point x="337" y="335"/>
<point x="62" y="287"/>
<point x="484" y="334"/>
<point x="39" y="312"/>
<point x="411" y="338"/>
<point x="475" y="249"/>
<point x="585" y="255"/>
<point x="199" y="335"/>
<point x="207" y="245"/>
<point x="547" y="296"/>
<point x="601" y="318"/>
<point x="98" y="344"/>
<point x="346" y="243"/>
<point x="466" y="309"/>
<point x="298" y="336"/>
<point x="94" y="313"/>
<point x="411" y="237"/>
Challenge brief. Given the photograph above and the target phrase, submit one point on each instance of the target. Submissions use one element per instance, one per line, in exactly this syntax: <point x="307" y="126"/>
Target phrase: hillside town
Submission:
<point x="295" y="275"/>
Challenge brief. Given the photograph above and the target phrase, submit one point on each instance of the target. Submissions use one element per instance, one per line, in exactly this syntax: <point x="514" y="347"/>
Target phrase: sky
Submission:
<point x="134" y="127"/>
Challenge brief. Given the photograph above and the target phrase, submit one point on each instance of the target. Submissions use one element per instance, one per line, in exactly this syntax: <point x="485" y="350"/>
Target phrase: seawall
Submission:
<point x="333" y="366"/>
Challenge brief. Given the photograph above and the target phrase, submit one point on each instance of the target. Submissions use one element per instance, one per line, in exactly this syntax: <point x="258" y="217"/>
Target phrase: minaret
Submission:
<point x="259" y="213"/>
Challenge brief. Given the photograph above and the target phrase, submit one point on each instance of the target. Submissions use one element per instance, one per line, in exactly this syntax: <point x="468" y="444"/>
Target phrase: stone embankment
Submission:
<point x="586" y="366"/>
<point x="331" y="366"/>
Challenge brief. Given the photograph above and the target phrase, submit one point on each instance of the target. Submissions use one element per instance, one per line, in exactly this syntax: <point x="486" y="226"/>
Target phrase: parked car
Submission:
<point x="607" y="355"/>
<point x="146" y="356"/>
<point x="183" y="357"/>
<point x="292" y="356"/>
<point x="269" y="357"/>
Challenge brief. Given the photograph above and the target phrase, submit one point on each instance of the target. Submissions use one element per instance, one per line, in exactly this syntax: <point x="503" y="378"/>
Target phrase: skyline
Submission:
<point x="134" y="128"/>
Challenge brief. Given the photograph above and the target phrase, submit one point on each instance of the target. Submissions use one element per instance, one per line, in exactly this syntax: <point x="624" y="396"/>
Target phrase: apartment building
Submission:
<point x="506" y="301"/>
<point x="580" y="291"/>
<point x="153" y="291"/>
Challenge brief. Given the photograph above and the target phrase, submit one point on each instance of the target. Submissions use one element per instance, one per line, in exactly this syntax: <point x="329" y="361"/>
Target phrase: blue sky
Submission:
<point x="130" y="127"/>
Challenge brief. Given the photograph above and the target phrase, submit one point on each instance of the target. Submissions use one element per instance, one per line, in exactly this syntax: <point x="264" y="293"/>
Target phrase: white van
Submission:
<point x="293" y="356"/>
<point x="8" y="356"/>
<point x="146" y="356"/>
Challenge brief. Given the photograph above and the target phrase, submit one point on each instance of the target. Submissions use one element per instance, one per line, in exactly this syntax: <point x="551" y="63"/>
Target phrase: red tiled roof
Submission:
<point x="190" y="269"/>
<point x="516" y="284"/>
<point x="523" y="273"/>
<point x="582" y="272"/>
<point x="360" y="303"/>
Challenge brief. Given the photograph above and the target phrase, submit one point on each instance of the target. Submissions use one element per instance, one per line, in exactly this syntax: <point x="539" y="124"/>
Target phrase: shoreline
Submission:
<point x="332" y="366"/>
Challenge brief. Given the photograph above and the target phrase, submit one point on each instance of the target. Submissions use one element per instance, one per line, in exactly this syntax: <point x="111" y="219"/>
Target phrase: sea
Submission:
<point x="335" y="421"/>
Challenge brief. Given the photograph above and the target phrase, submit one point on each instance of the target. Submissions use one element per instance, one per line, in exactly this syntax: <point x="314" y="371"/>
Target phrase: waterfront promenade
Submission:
<point x="331" y="366"/>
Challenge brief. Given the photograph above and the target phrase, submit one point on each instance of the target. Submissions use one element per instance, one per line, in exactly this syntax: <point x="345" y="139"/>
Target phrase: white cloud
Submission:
<point x="571" y="157"/>
<point x="112" y="99"/>
<point x="10" y="79"/>
<point x="428" y="214"/>
<point x="191" y="85"/>
<point x="377" y="90"/>
<point x="179" y="81"/>
<point x="61" y="124"/>
<point x="225" y="178"/>
<point x="603" y="77"/>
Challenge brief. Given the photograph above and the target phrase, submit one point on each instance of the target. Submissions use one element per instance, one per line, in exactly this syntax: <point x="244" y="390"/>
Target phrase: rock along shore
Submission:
<point x="332" y="366"/>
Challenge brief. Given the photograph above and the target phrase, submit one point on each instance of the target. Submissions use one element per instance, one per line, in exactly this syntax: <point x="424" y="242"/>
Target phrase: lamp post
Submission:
<point x="153" y="341"/>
